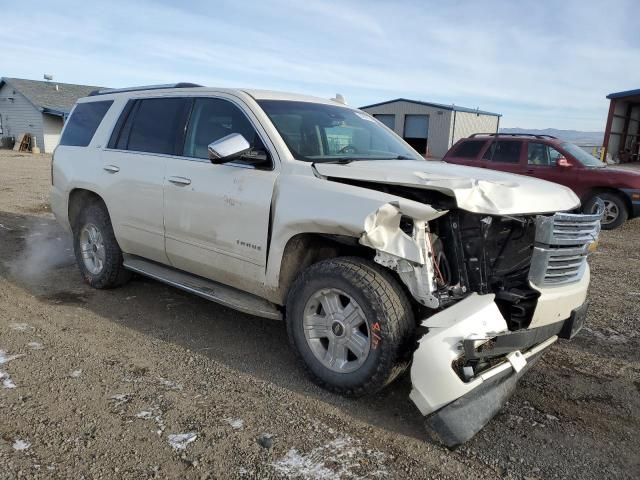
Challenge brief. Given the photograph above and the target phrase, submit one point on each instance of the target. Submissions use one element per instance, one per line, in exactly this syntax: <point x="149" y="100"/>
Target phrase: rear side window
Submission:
<point x="468" y="149"/>
<point x="83" y="123"/>
<point x="504" y="151"/>
<point x="155" y="125"/>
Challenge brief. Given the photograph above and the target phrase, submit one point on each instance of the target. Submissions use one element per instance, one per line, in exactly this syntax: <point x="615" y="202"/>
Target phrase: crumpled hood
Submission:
<point x="478" y="190"/>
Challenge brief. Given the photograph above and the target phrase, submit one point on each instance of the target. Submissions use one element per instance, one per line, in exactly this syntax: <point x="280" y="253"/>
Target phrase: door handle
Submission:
<point x="111" y="169"/>
<point x="180" y="180"/>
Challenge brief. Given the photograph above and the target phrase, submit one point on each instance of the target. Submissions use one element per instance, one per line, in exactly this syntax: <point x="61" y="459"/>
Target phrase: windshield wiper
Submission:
<point x="341" y="160"/>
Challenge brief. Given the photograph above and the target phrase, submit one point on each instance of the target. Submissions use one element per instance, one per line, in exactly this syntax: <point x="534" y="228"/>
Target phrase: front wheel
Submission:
<point x="615" y="209"/>
<point x="351" y="324"/>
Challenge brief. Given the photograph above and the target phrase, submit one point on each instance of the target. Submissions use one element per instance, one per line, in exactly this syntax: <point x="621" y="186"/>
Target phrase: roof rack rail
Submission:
<point x="107" y="91"/>
<point x="536" y="135"/>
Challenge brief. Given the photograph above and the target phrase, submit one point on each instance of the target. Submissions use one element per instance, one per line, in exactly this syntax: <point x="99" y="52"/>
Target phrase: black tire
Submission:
<point x="112" y="274"/>
<point x="614" y="199"/>
<point x="387" y="312"/>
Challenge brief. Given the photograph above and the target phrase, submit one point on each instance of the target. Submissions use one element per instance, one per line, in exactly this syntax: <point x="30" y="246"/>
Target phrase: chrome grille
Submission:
<point x="567" y="229"/>
<point x="562" y="246"/>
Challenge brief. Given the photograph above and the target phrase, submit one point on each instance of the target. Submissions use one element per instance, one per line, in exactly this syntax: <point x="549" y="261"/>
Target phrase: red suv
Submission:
<point x="548" y="158"/>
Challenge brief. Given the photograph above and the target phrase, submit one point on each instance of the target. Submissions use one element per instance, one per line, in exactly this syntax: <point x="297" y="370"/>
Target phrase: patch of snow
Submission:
<point x="170" y="384"/>
<point x="236" y="423"/>
<point x="20" y="445"/>
<point x="120" y="398"/>
<point x="35" y="345"/>
<point x="154" y="413"/>
<point x="76" y="373"/>
<point x="6" y="380"/>
<point x="179" y="441"/>
<point x="4" y="358"/>
<point x="338" y="459"/>
<point x="21" y="327"/>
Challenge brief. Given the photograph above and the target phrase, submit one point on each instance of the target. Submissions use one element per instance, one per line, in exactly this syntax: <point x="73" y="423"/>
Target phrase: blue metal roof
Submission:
<point x="627" y="93"/>
<point x="453" y="108"/>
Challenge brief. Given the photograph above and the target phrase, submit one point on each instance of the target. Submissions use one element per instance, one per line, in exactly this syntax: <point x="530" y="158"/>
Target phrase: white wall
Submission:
<point x="469" y="123"/>
<point x="52" y="126"/>
<point x="19" y="115"/>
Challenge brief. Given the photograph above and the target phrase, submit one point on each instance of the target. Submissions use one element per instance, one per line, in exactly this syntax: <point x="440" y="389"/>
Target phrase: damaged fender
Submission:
<point x="410" y="256"/>
<point x="368" y="215"/>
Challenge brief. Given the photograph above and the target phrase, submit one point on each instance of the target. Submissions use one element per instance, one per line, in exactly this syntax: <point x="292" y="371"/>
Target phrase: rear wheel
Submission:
<point x="615" y="209"/>
<point x="97" y="252"/>
<point x="351" y="324"/>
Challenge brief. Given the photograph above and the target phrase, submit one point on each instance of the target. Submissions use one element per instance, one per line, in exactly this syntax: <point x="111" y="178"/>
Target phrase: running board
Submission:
<point x="214" y="291"/>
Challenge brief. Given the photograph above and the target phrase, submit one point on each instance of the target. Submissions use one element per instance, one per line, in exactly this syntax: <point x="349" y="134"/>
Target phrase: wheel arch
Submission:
<point x="78" y="199"/>
<point x="305" y="249"/>
<point x="616" y="191"/>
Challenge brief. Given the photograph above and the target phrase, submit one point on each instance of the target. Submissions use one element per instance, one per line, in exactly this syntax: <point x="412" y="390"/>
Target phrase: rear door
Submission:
<point x="217" y="216"/>
<point x="505" y="155"/>
<point x="146" y="134"/>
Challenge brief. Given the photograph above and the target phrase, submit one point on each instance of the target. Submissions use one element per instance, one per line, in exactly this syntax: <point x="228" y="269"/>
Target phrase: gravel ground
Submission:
<point x="148" y="382"/>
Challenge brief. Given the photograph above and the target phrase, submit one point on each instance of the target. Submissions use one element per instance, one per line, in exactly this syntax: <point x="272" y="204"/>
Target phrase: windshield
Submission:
<point x="583" y="157"/>
<point x="317" y="132"/>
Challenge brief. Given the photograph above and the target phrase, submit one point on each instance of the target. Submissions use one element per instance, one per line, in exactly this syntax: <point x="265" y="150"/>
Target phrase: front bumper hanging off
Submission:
<point x="458" y="409"/>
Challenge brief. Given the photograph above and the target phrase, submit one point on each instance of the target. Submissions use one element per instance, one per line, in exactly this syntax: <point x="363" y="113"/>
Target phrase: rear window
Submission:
<point x="503" y="151"/>
<point x="469" y="149"/>
<point x="158" y="126"/>
<point x="83" y="123"/>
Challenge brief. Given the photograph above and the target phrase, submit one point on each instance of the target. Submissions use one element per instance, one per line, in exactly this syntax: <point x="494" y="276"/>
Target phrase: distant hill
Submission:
<point x="573" y="136"/>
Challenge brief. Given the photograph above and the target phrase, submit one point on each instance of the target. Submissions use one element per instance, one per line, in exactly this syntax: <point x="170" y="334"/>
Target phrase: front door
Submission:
<point x="542" y="162"/>
<point x="217" y="216"/>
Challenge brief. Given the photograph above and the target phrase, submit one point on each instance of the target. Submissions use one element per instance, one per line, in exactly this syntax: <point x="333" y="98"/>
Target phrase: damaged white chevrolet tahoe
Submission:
<point x="294" y="207"/>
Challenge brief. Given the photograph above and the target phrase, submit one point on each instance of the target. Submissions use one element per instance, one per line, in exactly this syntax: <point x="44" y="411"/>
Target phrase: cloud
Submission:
<point x="541" y="63"/>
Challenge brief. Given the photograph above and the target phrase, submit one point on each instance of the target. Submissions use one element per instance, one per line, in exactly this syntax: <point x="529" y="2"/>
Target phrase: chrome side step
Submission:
<point x="216" y="292"/>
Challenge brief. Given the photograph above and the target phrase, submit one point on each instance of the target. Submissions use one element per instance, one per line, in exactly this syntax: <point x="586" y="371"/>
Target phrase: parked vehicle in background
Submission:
<point x="549" y="158"/>
<point x="304" y="209"/>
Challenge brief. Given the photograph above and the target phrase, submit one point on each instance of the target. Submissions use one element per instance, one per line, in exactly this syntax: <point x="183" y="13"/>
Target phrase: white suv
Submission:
<point x="294" y="207"/>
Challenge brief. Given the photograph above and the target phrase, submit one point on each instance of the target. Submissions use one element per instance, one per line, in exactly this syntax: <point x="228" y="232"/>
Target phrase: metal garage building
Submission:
<point x="432" y="128"/>
<point x="38" y="108"/>
<point x="622" y="132"/>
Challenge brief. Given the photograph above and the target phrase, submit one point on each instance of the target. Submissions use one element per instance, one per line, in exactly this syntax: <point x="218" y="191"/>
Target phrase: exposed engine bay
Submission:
<point x="486" y="254"/>
<point x="461" y="253"/>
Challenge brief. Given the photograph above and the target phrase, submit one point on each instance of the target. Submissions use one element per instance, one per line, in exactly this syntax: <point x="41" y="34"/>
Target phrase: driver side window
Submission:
<point x="540" y="154"/>
<point x="212" y="119"/>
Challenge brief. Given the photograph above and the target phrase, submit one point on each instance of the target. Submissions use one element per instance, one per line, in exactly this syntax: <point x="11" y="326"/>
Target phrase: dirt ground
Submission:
<point x="148" y="382"/>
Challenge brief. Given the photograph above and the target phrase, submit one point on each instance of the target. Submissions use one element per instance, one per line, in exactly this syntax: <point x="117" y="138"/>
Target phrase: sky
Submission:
<point x="541" y="64"/>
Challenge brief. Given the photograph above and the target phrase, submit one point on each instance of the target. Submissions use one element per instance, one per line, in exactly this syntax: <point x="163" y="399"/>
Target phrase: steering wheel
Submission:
<point x="348" y="149"/>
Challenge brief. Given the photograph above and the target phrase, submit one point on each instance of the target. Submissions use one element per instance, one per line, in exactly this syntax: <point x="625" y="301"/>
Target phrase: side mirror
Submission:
<point x="228" y="148"/>
<point x="563" y="162"/>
